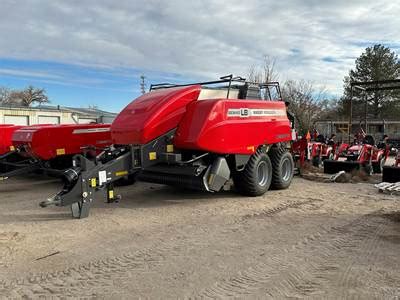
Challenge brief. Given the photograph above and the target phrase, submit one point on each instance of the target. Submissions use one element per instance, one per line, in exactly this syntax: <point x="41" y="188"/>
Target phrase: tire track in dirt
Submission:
<point x="291" y="276"/>
<point x="280" y="208"/>
<point x="97" y="277"/>
<point x="87" y="280"/>
<point x="369" y="248"/>
<point x="333" y="267"/>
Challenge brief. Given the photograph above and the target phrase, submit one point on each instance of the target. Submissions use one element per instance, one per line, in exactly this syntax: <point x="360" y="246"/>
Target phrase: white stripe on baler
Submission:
<point x="90" y="130"/>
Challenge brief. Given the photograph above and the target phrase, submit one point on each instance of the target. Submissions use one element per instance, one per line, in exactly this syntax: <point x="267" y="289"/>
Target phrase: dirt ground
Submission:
<point x="314" y="240"/>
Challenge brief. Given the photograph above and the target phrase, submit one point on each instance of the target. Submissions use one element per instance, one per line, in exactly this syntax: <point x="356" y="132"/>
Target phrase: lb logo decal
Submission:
<point x="250" y="112"/>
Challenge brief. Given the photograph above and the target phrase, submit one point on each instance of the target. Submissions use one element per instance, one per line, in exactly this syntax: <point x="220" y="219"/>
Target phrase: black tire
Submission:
<point x="378" y="167"/>
<point x="282" y="168"/>
<point x="256" y="177"/>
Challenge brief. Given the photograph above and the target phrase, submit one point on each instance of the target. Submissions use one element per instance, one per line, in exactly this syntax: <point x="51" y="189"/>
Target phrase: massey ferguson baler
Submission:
<point x="193" y="136"/>
<point x="50" y="148"/>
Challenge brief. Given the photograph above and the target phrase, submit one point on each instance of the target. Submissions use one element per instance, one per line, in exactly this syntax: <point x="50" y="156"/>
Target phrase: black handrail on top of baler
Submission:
<point x="224" y="79"/>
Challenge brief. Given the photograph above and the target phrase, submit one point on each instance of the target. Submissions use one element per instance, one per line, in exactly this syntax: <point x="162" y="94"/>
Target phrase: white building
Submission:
<point x="53" y="115"/>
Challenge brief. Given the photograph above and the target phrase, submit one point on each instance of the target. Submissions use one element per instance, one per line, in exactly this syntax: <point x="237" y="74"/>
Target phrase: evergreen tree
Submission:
<point x="376" y="63"/>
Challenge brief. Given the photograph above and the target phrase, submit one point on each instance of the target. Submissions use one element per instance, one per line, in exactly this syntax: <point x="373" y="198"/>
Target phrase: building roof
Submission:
<point x="81" y="111"/>
<point x="357" y="121"/>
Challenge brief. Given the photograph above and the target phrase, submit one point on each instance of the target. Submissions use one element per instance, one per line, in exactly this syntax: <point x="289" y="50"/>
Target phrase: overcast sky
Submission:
<point x="93" y="51"/>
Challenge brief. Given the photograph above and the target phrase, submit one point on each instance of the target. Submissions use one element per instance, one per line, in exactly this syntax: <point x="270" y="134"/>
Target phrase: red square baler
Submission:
<point x="198" y="135"/>
<point x="6" y="132"/>
<point x="51" y="147"/>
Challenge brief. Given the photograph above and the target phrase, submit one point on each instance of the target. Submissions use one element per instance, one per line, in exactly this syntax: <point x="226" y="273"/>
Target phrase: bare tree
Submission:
<point x="265" y="72"/>
<point x="305" y="101"/>
<point x="28" y="96"/>
<point x="4" y="95"/>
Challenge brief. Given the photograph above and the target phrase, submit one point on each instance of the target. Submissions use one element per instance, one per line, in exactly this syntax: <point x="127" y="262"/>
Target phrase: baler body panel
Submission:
<point x="152" y="115"/>
<point x="50" y="141"/>
<point x="6" y="132"/>
<point x="233" y="126"/>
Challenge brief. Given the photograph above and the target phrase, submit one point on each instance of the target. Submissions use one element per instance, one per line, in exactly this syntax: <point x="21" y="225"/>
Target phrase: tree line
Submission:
<point x="309" y="103"/>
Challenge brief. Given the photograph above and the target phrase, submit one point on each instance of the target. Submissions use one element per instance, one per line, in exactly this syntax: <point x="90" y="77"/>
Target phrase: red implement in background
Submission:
<point x="6" y="132"/>
<point x="315" y="152"/>
<point x="51" y="147"/>
<point x="50" y="141"/>
<point x="364" y="156"/>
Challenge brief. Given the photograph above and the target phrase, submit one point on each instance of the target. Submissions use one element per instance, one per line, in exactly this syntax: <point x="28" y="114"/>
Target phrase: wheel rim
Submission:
<point x="286" y="170"/>
<point x="262" y="171"/>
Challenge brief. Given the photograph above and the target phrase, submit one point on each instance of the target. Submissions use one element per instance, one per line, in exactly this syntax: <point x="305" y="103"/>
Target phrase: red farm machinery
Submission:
<point x="197" y="136"/>
<point x="316" y="151"/>
<point x="364" y="154"/>
<point x="49" y="148"/>
<point x="6" y="132"/>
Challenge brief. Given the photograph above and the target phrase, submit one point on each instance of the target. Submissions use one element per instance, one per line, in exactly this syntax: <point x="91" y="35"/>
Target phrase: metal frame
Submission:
<point x="224" y="79"/>
<point x="378" y="85"/>
<point x="228" y="78"/>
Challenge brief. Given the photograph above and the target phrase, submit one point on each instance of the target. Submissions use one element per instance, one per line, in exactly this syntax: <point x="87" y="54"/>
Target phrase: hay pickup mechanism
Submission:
<point x="198" y="136"/>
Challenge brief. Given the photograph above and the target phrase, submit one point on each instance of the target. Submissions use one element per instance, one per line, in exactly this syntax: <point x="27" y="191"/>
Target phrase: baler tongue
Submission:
<point x="70" y="195"/>
<point x="90" y="180"/>
<point x="18" y="169"/>
<point x="55" y="200"/>
<point x="11" y="164"/>
<point x="79" y="209"/>
<point x="4" y="156"/>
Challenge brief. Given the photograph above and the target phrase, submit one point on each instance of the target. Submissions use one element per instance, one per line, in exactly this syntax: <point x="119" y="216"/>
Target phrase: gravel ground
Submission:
<point x="314" y="240"/>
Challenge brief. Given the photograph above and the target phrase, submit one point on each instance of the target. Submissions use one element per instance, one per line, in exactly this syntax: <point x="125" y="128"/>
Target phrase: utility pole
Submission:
<point x="143" y="84"/>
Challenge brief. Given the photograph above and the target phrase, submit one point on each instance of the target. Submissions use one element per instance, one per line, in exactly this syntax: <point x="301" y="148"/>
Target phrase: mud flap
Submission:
<point x="334" y="166"/>
<point x="391" y="174"/>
